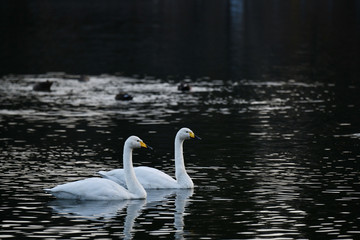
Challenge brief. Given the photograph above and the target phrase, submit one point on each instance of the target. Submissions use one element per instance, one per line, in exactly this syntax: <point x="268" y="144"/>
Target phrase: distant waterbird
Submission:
<point x="83" y="78"/>
<point x="123" y="97"/>
<point x="43" y="86"/>
<point x="184" y="87"/>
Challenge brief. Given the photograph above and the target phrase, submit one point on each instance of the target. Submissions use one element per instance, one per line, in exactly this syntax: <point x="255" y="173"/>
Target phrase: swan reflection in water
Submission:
<point x="181" y="202"/>
<point x="107" y="210"/>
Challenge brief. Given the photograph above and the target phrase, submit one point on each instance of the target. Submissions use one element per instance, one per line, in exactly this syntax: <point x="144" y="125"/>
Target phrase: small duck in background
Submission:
<point x="184" y="87"/>
<point x="121" y="96"/>
<point x="43" y="86"/>
<point x="84" y="78"/>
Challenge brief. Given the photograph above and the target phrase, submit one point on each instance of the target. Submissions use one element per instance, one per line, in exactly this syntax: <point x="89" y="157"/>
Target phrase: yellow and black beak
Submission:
<point x="145" y="146"/>
<point x="192" y="135"/>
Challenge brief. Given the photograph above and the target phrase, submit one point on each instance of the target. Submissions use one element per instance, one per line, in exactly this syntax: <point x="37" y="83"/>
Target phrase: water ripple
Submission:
<point x="278" y="160"/>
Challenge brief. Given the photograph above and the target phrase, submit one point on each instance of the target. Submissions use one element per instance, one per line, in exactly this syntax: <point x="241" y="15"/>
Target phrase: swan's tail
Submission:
<point x="102" y="174"/>
<point x="48" y="190"/>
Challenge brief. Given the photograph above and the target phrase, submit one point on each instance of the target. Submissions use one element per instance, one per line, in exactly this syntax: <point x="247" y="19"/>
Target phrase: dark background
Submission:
<point x="251" y="39"/>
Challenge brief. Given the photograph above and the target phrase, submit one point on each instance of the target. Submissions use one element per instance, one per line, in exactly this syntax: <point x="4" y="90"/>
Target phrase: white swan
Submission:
<point x="104" y="189"/>
<point x="151" y="178"/>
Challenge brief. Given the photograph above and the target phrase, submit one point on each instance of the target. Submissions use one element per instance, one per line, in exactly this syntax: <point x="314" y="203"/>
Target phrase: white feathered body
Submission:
<point x="91" y="189"/>
<point x="149" y="178"/>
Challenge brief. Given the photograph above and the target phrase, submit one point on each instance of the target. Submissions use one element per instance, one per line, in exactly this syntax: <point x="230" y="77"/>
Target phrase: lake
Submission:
<point x="274" y="97"/>
<point x="276" y="159"/>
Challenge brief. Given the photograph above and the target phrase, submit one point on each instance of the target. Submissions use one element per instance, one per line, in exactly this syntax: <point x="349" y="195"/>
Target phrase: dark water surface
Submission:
<point x="277" y="160"/>
<point x="275" y="98"/>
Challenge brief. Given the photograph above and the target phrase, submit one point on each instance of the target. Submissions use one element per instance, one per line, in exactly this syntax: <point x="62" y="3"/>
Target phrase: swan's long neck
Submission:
<point x="182" y="177"/>
<point x="179" y="158"/>
<point x="132" y="183"/>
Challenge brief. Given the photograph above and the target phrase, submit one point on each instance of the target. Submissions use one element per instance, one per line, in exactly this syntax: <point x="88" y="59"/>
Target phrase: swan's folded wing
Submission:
<point x="116" y="175"/>
<point x="152" y="178"/>
<point x="90" y="189"/>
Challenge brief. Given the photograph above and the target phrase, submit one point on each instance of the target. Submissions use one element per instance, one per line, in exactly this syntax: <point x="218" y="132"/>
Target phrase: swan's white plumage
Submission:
<point x="152" y="178"/>
<point x="105" y="189"/>
<point x="91" y="189"/>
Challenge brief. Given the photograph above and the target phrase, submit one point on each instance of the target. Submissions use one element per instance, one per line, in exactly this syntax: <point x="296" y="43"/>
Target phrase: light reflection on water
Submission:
<point x="277" y="160"/>
<point x="160" y="204"/>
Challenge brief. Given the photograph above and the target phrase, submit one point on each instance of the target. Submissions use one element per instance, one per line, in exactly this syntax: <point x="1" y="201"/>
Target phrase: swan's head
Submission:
<point x="186" y="133"/>
<point x="136" y="142"/>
